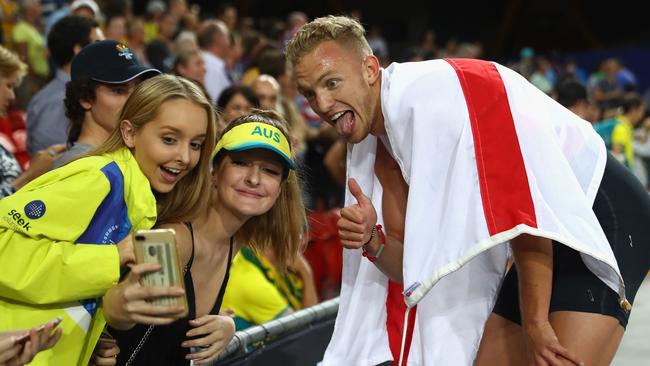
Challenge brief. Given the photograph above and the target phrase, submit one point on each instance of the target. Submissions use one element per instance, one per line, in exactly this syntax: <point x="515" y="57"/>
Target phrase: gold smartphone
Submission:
<point x="159" y="246"/>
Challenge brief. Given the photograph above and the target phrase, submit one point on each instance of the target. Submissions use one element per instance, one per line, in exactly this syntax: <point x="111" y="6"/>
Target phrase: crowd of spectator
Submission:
<point x="239" y="64"/>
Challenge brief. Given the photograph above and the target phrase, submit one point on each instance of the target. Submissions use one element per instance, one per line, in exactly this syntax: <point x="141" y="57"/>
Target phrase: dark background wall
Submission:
<point x="504" y="27"/>
<point x="585" y="30"/>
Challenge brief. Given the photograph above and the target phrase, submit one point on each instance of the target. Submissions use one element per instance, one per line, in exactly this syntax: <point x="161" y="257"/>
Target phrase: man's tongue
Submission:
<point x="345" y="124"/>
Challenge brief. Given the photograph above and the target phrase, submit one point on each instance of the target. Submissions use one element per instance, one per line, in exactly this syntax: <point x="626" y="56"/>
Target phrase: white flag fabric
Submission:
<point x="487" y="157"/>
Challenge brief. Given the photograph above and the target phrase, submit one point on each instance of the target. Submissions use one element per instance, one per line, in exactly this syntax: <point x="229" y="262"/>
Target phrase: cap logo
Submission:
<point x="123" y="50"/>
<point x="269" y="134"/>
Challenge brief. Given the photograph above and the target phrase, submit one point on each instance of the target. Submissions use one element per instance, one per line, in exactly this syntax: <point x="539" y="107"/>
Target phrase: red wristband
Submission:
<point x="382" y="237"/>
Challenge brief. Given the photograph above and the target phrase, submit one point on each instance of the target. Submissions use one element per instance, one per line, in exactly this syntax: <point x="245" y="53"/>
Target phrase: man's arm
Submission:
<point x="534" y="261"/>
<point x="357" y="221"/>
<point x="393" y="202"/>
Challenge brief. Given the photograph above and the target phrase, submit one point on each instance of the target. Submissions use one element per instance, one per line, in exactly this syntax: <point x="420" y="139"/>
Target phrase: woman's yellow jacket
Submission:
<point x="56" y="257"/>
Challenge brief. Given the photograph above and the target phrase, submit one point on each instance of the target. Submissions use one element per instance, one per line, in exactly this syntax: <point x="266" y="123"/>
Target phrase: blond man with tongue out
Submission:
<point x="452" y="166"/>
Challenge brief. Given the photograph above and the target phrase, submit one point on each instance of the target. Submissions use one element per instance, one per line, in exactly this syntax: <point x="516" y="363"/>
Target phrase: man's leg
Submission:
<point x="502" y="343"/>
<point x="594" y="338"/>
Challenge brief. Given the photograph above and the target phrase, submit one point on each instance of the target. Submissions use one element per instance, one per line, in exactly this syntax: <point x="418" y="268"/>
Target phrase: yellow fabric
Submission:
<point x="250" y="295"/>
<point x="8" y="14"/>
<point x="250" y="75"/>
<point x="44" y="273"/>
<point x="251" y="135"/>
<point x="36" y="52"/>
<point x="623" y="134"/>
<point x="150" y="31"/>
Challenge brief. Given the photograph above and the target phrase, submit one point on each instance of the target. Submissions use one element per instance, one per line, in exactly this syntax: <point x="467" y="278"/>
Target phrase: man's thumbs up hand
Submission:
<point x="357" y="220"/>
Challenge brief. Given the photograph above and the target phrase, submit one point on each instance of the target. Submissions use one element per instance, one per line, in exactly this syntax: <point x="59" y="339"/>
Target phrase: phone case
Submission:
<point x="159" y="246"/>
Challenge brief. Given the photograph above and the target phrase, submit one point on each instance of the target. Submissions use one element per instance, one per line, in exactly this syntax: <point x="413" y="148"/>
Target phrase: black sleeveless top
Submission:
<point x="163" y="345"/>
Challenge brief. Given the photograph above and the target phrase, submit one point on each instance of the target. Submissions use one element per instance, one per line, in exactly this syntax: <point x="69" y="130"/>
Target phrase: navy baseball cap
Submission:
<point x="109" y="62"/>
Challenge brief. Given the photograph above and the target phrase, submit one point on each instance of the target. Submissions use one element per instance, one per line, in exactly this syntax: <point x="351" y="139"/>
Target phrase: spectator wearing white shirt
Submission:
<point x="46" y="121"/>
<point x="214" y="40"/>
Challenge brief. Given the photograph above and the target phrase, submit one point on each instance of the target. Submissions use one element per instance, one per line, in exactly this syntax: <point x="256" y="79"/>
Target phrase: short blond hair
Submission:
<point x="341" y="29"/>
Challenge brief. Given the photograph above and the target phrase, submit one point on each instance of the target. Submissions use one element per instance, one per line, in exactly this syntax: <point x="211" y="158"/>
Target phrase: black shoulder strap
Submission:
<point x="189" y="262"/>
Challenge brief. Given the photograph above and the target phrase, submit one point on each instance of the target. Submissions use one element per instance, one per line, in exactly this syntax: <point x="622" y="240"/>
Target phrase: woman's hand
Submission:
<point x="128" y="302"/>
<point x="218" y="331"/>
<point x="544" y="348"/>
<point x="126" y="252"/>
<point x="105" y="353"/>
<point x="15" y="354"/>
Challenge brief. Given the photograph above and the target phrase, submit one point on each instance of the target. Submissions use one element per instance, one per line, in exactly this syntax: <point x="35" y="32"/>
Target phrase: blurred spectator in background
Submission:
<point x="626" y="78"/>
<point x="267" y="90"/>
<point x="632" y="111"/>
<point x="46" y="121"/>
<point x="235" y="101"/>
<point x="11" y="71"/>
<point x="526" y="64"/>
<point x="470" y="50"/>
<point x="543" y="76"/>
<point x="189" y="64"/>
<point x="82" y="8"/>
<point x="86" y="8"/>
<point x="272" y="62"/>
<point x="450" y="50"/>
<point x="378" y="45"/>
<point x="116" y="28"/>
<point x="30" y="45"/>
<point x="573" y="95"/>
<point x="136" y="39"/>
<point x="234" y="67"/>
<point x="11" y="173"/>
<point x="227" y="13"/>
<point x="177" y="8"/>
<point x="428" y="48"/>
<point x="160" y="51"/>
<point x="187" y="28"/>
<point x="295" y="20"/>
<point x="253" y="43"/>
<point x="642" y="150"/>
<point x="214" y="40"/>
<point x="607" y="89"/>
<point x="155" y="10"/>
<point x="572" y="70"/>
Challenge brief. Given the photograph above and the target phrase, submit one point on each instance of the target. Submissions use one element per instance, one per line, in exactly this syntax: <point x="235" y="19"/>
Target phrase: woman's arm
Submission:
<point x="67" y="270"/>
<point x="303" y="269"/>
<point x="40" y="260"/>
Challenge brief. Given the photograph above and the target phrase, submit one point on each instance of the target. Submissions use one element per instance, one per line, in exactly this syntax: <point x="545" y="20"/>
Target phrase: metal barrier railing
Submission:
<point x="277" y="327"/>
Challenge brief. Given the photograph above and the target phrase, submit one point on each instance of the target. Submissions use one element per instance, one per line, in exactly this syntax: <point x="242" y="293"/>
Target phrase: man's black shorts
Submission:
<point x="622" y="206"/>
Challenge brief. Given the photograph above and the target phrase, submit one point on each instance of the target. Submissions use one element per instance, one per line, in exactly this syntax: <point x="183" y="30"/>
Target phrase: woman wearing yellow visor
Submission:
<point x="256" y="201"/>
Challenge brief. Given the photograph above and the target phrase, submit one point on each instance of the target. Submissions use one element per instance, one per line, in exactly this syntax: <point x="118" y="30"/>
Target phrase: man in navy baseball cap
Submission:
<point x="109" y="62"/>
<point x="103" y="76"/>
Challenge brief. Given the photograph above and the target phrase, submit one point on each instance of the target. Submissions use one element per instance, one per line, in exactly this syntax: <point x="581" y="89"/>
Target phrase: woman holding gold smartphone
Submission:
<point x="155" y="165"/>
<point x="256" y="201"/>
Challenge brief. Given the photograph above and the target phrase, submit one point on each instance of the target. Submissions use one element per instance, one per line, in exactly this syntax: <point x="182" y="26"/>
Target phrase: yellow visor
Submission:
<point x="256" y="135"/>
